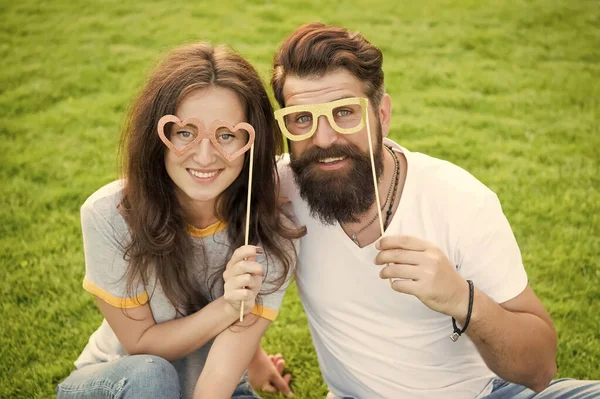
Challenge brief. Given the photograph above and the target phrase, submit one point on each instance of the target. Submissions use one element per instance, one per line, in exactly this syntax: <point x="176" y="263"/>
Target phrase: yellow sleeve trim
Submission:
<point x="265" y="313"/>
<point x="126" y="303"/>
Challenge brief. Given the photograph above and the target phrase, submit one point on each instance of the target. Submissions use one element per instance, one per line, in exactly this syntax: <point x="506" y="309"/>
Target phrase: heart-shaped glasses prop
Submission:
<point x="345" y="116"/>
<point x="231" y="142"/>
<point x="181" y="136"/>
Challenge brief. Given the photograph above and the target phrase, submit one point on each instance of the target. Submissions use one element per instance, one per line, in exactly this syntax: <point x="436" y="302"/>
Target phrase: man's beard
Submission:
<point x="338" y="195"/>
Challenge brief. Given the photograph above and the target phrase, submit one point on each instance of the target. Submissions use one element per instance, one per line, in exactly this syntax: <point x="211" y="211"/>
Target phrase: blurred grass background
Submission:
<point x="508" y="90"/>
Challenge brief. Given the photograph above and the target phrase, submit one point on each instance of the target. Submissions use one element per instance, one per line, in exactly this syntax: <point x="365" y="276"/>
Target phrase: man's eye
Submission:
<point x="303" y="119"/>
<point x="343" y="112"/>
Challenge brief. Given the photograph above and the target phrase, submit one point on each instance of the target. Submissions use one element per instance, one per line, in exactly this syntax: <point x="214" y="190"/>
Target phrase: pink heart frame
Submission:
<point x="204" y="134"/>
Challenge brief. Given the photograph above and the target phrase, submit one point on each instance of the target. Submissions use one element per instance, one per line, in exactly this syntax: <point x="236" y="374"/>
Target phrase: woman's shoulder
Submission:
<point x="104" y="202"/>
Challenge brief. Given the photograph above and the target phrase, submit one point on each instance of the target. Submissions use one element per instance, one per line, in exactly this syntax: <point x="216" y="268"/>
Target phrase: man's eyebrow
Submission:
<point x="342" y="97"/>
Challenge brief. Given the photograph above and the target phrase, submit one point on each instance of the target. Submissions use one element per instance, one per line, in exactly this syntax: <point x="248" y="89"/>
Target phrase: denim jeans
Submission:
<point x="564" y="388"/>
<point x="131" y="377"/>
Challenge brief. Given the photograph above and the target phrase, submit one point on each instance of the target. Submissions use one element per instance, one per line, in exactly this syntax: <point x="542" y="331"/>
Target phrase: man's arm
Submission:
<point x="516" y="339"/>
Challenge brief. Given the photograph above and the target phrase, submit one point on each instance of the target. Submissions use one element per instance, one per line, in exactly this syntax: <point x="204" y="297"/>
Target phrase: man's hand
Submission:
<point x="424" y="271"/>
<point x="266" y="374"/>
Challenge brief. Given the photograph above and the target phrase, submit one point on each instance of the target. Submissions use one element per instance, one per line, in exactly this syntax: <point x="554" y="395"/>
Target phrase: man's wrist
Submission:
<point x="461" y="309"/>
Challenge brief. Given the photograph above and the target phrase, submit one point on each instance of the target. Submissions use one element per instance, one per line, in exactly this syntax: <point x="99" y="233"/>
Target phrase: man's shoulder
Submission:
<point x="444" y="179"/>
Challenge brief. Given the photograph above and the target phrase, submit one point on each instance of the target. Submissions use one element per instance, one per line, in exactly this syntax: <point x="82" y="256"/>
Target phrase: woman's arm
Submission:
<point x="138" y="332"/>
<point x="229" y="357"/>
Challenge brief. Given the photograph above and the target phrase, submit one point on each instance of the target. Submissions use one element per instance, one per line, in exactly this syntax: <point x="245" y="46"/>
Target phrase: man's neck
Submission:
<point x="371" y="233"/>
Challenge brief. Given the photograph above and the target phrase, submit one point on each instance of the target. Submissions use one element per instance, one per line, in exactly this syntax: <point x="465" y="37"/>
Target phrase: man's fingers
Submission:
<point x="405" y="242"/>
<point x="269" y="388"/>
<point x="399" y="255"/>
<point x="280" y="365"/>
<point x="277" y="357"/>
<point x="411" y="272"/>
<point x="405" y="286"/>
<point x="282" y="384"/>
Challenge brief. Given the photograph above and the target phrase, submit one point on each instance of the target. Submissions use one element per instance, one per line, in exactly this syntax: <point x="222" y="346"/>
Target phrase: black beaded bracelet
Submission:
<point x="458" y="332"/>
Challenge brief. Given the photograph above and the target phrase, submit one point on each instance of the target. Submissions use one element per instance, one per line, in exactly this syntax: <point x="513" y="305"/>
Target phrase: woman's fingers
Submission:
<point x="239" y="295"/>
<point x="243" y="267"/>
<point x="244" y="281"/>
<point x="244" y="252"/>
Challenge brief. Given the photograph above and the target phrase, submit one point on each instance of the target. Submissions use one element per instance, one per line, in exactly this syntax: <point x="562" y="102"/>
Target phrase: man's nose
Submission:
<point x="325" y="135"/>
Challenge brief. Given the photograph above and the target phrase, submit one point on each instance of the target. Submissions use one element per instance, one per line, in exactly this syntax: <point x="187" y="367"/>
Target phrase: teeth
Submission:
<point x="203" y="175"/>
<point x="329" y="160"/>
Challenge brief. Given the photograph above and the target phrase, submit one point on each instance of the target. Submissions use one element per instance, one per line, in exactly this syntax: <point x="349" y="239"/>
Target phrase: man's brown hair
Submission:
<point x="315" y="49"/>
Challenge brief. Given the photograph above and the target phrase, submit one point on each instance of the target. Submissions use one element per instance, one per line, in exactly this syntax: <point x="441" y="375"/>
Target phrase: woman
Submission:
<point x="164" y="246"/>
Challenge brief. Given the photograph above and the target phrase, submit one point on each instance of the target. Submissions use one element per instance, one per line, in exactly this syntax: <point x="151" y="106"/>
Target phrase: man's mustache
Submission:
<point x="315" y="154"/>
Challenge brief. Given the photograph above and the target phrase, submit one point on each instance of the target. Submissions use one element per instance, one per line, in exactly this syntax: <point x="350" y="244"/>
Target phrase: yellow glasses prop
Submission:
<point x="346" y="116"/>
<point x="231" y="141"/>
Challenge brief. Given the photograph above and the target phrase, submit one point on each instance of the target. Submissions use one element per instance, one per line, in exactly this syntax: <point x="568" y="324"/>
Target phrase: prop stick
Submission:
<point x="374" y="174"/>
<point x="375" y="177"/>
<point x="248" y="214"/>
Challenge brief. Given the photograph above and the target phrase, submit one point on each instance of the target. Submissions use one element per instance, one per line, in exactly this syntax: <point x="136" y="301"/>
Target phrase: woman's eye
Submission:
<point x="184" y="134"/>
<point x="226" y="136"/>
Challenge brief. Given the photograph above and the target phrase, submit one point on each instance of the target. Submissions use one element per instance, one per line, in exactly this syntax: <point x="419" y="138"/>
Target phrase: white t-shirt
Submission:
<point x="373" y="342"/>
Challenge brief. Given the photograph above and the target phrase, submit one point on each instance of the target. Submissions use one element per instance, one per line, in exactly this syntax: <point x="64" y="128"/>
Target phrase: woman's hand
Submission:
<point x="243" y="279"/>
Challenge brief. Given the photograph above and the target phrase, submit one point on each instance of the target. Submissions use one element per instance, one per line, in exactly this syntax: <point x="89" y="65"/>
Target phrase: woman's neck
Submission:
<point x="198" y="214"/>
<point x="201" y="221"/>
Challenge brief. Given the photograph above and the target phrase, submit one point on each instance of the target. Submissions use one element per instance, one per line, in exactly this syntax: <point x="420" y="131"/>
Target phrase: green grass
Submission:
<point x="506" y="89"/>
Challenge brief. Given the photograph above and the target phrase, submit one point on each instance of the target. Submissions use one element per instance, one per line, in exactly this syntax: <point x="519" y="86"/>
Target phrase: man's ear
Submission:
<point x="385" y="114"/>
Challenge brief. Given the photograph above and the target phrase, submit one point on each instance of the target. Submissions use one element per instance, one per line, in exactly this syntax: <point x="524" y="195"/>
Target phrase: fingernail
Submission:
<point x="259" y="250"/>
<point x="378" y="244"/>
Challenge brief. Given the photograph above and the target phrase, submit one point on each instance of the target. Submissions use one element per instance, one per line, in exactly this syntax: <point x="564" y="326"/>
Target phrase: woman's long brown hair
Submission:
<point x="160" y="245"/>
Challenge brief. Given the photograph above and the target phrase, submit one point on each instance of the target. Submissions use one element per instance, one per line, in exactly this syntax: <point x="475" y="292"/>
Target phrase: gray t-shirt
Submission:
<point x="105" y="233"/>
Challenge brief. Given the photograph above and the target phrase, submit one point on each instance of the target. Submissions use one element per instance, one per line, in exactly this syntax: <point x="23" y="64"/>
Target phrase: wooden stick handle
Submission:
<point x="375" y="178"/>
<point x="248" y="214"/>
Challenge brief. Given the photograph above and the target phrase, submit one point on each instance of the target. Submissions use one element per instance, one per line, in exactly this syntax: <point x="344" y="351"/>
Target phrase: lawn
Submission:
<point x="509" y="90"/>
